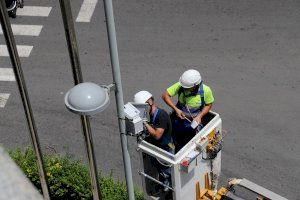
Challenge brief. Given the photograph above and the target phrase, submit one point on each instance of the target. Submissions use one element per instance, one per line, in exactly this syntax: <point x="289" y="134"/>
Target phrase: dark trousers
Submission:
<point x="182" y="132"/>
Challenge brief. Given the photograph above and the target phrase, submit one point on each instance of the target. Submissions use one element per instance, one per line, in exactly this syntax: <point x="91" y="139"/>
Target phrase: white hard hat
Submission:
<point x="142" y="97"/>
<point x="190" y="78"/>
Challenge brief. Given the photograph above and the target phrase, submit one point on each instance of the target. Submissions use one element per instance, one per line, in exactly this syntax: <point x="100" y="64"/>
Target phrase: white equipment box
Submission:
<point x="189" y="166"/>
<point x="134" y="123"/>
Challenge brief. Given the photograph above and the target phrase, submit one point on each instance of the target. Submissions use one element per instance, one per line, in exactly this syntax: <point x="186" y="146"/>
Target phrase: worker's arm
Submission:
<point x="167" y="98"/>
<point x="155" y="132"/>
<point x="204" y="111"/>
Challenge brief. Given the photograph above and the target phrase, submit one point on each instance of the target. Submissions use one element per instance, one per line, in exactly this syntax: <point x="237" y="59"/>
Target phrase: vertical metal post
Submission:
<point x="15" y="60"/>
<point x="77" y="75"/>
<point x="111" y="32"/>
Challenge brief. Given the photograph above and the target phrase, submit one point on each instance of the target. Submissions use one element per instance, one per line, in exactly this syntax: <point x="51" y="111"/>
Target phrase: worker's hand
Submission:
<point x="180" y="114"/>
<point x="146" y="124"/>
<point x="198" y="119"/>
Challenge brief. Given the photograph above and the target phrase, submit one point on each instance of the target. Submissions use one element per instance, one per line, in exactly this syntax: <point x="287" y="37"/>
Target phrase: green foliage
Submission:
<point x="68" y="179"/>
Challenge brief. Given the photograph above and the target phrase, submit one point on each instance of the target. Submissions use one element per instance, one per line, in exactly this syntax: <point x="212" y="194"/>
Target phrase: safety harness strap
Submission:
<point x="155" y="115"/>
<point x="199" y="92"/>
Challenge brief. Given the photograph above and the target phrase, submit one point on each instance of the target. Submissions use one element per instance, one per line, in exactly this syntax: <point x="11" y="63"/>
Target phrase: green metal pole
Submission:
<point x="77" y="75"/>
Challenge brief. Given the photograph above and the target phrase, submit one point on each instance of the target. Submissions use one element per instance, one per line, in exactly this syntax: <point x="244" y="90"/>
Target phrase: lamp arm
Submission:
<point x="109" y="88"/>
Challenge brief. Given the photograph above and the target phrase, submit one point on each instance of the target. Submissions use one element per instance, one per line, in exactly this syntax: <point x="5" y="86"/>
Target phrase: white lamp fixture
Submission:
<point x="87" y="98"/>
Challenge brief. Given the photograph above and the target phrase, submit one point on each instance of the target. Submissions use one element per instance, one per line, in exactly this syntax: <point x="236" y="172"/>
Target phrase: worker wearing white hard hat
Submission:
<point x="194" y="101"/>
<point x="159" y="128"/>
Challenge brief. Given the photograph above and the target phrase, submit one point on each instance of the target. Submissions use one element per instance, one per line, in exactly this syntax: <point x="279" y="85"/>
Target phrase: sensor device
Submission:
<point x="133" y="121"/>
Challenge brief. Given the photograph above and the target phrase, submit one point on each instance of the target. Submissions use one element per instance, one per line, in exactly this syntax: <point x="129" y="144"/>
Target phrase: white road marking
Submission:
<point x="3" y="99"/>
<point x="23" y="50"/>
<point x="28" y="30"/>
<point x="86" y="11"/>
<point x="37" y="11"/>
<point x="7" y="74"/>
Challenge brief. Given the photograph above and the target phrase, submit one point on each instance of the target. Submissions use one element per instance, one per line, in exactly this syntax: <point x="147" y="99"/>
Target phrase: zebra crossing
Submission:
<point x="25" y="30"/>
<point x="6" y="74"/>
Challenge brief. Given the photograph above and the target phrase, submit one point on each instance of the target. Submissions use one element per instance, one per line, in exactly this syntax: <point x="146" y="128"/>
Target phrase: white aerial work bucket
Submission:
<point x="194" y="169"/>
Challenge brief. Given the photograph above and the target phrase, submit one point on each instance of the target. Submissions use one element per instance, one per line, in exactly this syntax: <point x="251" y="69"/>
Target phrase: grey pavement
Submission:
<point x="247" y="52"/>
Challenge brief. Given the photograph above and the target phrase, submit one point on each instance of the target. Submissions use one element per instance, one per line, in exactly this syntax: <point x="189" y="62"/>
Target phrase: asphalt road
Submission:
<point x="247" y="52"/>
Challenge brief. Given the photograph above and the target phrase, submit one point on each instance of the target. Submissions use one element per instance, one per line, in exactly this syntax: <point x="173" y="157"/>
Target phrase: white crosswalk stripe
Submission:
<point x="26" y="30"/>
<point x="86" y="11"/>
<point x="3" y="99"/>
<point x="7" y="74"/>
<point x="36" y="11"/>
<point x="23" y="50"/>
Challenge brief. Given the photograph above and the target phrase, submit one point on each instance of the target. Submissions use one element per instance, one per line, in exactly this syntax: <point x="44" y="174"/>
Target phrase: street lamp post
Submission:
<point x="88" y="98"/>
<point x="111" y="32"/>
